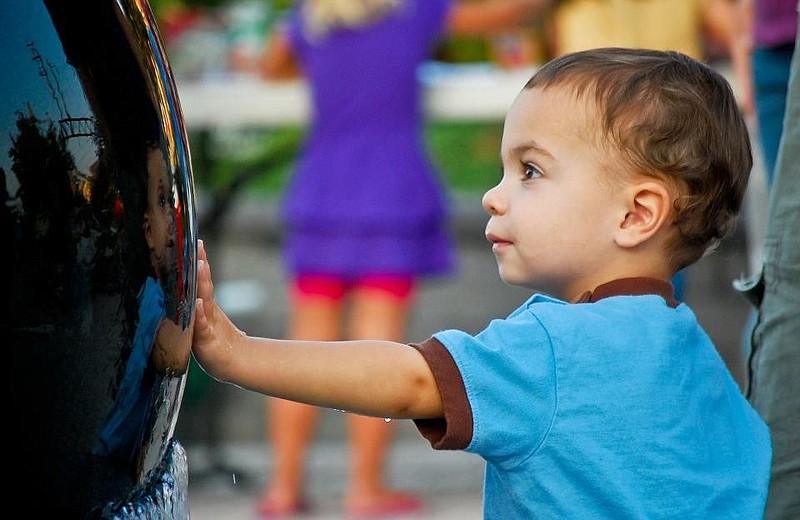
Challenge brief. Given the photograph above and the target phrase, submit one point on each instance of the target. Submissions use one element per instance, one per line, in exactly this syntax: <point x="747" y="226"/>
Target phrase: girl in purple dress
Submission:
<point x="365" y="214"/>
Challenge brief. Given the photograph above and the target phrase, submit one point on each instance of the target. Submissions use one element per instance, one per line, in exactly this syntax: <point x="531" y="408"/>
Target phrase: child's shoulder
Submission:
<point x="612" y="314"/>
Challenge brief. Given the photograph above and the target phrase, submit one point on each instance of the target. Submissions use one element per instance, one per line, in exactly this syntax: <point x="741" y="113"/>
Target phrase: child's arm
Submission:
<point x="376" y="378"/>
<point x="493" y="16"/>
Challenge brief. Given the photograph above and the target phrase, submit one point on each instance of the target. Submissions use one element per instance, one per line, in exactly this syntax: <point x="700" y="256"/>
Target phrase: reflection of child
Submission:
<point x="601" y="396"/>
<point x="159" y="217"/>
<point x="171" y="349"/>
<point x="123" y="432"/>
<point x="157" y="338"/>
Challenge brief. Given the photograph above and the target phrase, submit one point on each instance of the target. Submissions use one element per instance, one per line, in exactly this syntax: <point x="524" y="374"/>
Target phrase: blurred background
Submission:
<point x="217" y="43"/>
<point x="244" y="135"/>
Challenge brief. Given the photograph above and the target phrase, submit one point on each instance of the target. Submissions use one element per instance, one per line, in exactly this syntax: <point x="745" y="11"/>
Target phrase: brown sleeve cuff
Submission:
<point x="454" y="430"/>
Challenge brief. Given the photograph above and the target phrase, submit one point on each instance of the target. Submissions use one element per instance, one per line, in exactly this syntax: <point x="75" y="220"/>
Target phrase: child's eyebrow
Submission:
<point x="530" y="146"/>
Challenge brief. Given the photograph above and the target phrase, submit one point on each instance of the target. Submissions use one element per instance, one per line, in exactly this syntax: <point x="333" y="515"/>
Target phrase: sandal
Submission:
<point x="267" y="510"/>
<point x="394" y="505"/>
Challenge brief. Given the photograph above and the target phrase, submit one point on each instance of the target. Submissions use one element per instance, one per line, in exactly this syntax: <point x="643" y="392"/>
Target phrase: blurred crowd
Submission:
<point x="212" y="38"/>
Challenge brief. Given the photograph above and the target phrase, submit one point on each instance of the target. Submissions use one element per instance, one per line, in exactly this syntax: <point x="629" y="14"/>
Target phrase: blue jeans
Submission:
<point x="770" y="80"/>
<point x="774" y="363"/>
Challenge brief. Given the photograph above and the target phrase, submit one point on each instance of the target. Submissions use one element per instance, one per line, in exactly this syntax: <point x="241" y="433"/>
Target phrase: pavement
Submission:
<point x="223" y="427"/>
<point x="448" y="482"/>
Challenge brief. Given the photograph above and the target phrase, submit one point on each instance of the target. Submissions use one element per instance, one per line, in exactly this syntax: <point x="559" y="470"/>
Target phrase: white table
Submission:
<point x="479" y="92"/>
<point x="471" y="92"/>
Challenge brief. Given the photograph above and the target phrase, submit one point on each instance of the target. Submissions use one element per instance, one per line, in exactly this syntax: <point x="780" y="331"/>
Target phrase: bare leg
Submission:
<point x="377" y="315"/>
<point x="291" y="425"/>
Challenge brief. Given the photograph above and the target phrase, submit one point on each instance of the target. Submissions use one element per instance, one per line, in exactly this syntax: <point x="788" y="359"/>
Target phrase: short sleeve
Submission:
<point x="508" y="375"/>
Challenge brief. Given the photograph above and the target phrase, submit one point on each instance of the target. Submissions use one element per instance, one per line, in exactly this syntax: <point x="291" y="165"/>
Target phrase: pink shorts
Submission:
<point x="336" y="287"/>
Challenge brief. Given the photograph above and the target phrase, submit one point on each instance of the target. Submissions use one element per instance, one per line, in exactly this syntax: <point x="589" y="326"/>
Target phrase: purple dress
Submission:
<point x="775" y="23"/>
<point x="365" y="198"/>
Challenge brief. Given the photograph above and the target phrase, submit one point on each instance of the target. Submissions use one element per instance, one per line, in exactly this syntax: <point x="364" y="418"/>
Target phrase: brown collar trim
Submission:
<point x="631" y="287"/>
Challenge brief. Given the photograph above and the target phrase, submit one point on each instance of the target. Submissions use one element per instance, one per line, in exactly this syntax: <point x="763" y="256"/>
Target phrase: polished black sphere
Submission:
<point x="99" y="243"/>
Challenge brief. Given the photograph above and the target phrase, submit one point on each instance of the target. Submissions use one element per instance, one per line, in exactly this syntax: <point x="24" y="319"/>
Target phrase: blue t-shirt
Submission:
<point x="619" y="408"/>
<point x="124" y="428"/>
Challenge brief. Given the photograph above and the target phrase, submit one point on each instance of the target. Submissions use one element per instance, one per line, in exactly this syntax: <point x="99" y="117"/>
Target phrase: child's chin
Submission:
<point x="514" y="280"/>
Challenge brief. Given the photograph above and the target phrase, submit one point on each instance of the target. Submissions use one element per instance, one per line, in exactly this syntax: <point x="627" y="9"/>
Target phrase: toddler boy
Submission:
<point x="601" y="396"/>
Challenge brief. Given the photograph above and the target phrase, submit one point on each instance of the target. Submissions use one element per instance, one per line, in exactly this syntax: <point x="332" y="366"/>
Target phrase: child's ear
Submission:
<point x="648" y="206"/>
<point x="147" y="227"/>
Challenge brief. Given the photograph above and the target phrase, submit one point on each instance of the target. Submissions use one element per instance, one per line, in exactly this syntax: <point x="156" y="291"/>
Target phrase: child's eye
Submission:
<point x="531" y="171"/>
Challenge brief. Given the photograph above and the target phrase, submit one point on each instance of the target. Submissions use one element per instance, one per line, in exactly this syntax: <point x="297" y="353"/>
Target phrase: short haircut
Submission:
<point x="672" y="118"/>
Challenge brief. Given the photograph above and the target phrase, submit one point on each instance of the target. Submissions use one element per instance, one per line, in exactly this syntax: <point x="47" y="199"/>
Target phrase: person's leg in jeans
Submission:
<point x="770" y="77"/>
<point x="770" y="81"/>
<point x="774" y="365"/>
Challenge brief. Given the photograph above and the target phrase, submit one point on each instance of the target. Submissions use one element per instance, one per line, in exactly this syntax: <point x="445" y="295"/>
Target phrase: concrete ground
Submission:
<point x="222" y="427"/>
<point x="449" y="483"/>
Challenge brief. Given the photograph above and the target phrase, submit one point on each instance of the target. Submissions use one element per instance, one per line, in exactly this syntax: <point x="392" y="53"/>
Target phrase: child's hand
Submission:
<point x="214" y="333"/>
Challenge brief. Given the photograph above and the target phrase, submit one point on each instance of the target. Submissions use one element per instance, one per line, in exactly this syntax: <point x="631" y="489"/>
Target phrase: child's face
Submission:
<point x="159" y="225"/>
<point x="552" y="214"/>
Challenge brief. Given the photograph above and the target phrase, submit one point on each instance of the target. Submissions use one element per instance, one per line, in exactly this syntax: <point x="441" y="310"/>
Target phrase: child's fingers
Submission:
<point x="201" y="251"/>
<point x="205" y="285"/>
<point x="202" y="331"/>
<point x="200" y="319"/>
<point x="205" y="282"/>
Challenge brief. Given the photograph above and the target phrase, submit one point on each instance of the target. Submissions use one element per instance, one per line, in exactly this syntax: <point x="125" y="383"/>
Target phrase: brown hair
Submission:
<point x="673" y="118"/>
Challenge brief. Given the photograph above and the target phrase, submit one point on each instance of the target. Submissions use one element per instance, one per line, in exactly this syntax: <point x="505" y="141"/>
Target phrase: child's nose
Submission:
<point x="492" y="201"/>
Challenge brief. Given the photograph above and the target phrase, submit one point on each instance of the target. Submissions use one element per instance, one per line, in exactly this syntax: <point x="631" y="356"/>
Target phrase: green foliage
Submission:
<point x="462" y="49"/>
<point x="467" y="154"/>
<point x="159" y="5"/>
<point x="255" y="160"/>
